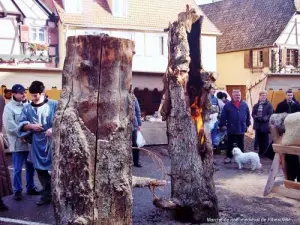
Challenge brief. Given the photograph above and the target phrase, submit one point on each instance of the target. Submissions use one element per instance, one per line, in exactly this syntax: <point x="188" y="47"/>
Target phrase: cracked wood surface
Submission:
<point x="92" y="133"/>
<point x="192" y="186"/>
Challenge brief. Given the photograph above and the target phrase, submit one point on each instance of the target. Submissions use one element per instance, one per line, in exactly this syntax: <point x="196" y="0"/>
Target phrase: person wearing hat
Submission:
<point x="18" y="147"/>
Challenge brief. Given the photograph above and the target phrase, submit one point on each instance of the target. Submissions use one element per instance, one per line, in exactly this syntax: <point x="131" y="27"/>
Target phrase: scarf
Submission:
<point x="260" y="108"/>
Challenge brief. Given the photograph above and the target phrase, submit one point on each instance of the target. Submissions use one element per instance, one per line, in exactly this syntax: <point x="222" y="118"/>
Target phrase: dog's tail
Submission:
<point x="259" y="165"/>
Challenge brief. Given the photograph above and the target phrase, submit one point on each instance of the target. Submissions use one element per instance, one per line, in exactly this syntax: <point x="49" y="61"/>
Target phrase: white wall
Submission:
<point x="151" y="54"/>
<point x="209" y="53"/>
<point x="288" y="36"/>
<point x="202" y="2"/>
<point x="152" y="50"/>
<point x="142" y="80"/>
<point x="9" y="33"/>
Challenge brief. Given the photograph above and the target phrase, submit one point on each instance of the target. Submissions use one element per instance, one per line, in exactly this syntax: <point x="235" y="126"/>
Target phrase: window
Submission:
<point x="155" y="45"/>
<point x="161" y="45"/>
<point x="120" y="8"/>
<point x="292" y="57"/>
<point x="257" y="58"/>
<point x="38" y="35"/>
<point x="73" y="6"/>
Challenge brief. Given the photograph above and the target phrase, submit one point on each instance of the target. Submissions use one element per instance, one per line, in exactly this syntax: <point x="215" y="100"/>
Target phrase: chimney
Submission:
<point x="297" y="5"/>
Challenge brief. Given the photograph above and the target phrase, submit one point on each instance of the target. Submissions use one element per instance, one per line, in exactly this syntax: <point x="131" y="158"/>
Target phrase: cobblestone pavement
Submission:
<point x="239" y="194"/>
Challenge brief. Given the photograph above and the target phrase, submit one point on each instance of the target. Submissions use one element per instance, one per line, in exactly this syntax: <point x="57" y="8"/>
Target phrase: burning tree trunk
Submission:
<point x="186" y="108"/>
<point x="92" y="133"/>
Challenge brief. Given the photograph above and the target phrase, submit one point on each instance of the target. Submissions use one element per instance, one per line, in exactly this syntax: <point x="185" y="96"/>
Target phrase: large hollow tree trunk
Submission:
<point x="92" y="133"/>
<point x="186" y="108"/>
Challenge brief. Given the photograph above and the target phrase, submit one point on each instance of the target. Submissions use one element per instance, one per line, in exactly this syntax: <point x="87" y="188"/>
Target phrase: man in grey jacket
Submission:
<point x="18" y="147"/>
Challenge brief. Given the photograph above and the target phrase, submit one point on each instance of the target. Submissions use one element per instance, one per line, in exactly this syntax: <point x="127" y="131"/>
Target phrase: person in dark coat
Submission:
<point x="5" y="182"/>
<point x="137" y="123"/>
<point x="235" y="118"/>
<point x="288" y="105"/>
<point x="292" y="161"/>
<point x="261" y="113"/>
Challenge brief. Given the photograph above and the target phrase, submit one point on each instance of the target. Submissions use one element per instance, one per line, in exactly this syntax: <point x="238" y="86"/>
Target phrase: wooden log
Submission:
<point x="292" y="185"/>
<point x="289" y="193"/>
<point x="192" y="185"/>
<point x="147" y="182"/>
<point x="294" y="150"/>
<point x="272" y="175"/>
<point x="283" y="164"/>
<point x="92" y="133"/>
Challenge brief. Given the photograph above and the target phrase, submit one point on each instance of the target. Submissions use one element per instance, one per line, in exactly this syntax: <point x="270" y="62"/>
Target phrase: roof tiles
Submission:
<point x="248" y="24"/>
<point x="142" y="15"/>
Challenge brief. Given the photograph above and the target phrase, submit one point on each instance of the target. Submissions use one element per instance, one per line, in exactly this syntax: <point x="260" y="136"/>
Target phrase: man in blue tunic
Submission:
<point x="36" y="127"/>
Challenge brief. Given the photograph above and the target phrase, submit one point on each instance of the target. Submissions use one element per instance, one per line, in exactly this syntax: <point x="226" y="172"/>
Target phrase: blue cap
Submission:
<point x="18" y="88"/>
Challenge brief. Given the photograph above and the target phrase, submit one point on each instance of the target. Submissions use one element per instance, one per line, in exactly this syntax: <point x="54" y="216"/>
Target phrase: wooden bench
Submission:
<point x="291" y="189"/>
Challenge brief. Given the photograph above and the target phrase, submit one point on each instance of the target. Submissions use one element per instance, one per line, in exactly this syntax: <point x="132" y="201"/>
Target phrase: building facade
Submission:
<point x="28" y="44"/>
<point x="143" y="22"/>
<point x="258" y="37"/>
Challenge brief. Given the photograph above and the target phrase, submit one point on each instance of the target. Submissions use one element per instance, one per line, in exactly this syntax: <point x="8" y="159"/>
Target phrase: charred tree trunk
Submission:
<point x="92" y="133"/>
<point x="187" y="109"/>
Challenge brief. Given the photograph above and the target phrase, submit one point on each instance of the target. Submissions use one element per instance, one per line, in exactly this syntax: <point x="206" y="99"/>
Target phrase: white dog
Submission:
<point x="242" y="158"/>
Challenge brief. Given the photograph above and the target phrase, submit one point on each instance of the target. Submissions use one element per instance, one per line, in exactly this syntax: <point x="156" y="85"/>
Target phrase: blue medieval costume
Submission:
<point x="41" y="145"/>
<point x="41" y="152"/>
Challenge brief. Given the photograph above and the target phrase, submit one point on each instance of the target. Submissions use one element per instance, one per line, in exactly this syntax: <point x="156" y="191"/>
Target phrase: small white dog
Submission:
<point x="242" y="158"/>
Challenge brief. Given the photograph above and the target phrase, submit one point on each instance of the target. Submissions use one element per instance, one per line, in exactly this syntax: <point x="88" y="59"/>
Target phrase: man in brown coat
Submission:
<point x="5" y="183"/>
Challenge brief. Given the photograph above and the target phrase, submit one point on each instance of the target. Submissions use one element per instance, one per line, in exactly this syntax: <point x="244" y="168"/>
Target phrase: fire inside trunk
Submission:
<point x="186" y="108"/>
<point x="196" y="112"/>
<point x="195" y="83"/>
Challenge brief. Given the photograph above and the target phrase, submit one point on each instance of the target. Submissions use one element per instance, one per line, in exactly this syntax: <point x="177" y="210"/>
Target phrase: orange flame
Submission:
<point x="196" y="113"/>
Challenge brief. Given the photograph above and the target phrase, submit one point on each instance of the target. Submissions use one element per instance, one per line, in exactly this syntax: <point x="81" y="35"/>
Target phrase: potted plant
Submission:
<point x="38" y="49"/>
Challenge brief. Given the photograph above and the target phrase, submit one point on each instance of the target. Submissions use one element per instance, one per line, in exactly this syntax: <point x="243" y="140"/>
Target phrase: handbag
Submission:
<point x="140" y="141"/>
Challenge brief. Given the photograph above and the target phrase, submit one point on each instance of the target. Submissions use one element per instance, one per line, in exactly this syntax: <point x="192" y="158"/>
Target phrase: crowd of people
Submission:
<point x="234" y="121"/>
<point x="28" y="125"/>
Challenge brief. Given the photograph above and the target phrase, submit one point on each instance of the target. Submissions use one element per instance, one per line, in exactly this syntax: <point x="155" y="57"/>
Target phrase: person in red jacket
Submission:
<point x="235" y="118"/>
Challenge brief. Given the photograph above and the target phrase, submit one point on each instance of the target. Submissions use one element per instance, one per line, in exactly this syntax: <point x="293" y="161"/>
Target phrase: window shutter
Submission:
<point x="24" y="31"/>
<point x="266" y="57"/>
<point x="247" y="59"/>
<point x="52" y="36"/>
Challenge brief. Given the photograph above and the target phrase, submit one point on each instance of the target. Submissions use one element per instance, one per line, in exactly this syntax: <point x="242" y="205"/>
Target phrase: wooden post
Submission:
<point x="92" y="133"/>
<point x="186" y="108"/>
<point x="272" y="175"/>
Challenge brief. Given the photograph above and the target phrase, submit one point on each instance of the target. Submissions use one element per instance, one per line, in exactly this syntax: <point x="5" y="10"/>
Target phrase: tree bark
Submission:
<point x="147" y="182"/>
<point x="92" y="133"/>
<point x="187" y="109"/>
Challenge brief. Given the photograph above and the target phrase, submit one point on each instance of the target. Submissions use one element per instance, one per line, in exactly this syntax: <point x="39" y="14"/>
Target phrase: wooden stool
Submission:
<point x="291" y="189"/>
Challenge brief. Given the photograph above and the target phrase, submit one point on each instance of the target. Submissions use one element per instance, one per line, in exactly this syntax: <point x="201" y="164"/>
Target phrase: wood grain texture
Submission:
<point x="92" y="133"/>
<point x="192" y="186"/>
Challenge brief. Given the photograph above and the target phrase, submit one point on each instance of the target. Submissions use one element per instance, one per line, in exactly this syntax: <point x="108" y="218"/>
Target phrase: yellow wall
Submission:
<point x="277" y="96"/>
<point x="50" y="78"/>
<point x="230" y="67"/>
